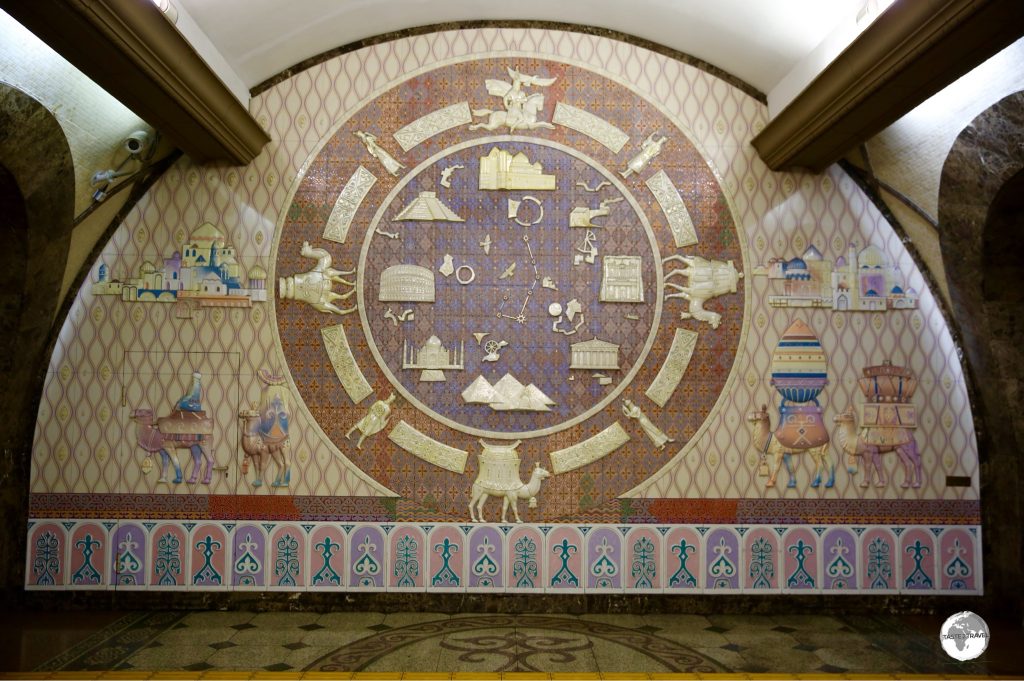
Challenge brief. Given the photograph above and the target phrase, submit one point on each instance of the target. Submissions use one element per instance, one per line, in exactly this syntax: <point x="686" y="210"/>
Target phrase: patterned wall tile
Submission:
<point x="801" y="560"/>
<point x="604" y="559"/>
<point x="446" y="558"/>
<point x="526" y="555"/>
<point x="644" y="559"/>
<point x="210" y="553"/>
<point x="46" y="559"/>
<point x="877" y="566"/>
<point x="408" y="546"/>
<point x="328" y="557"/>
<point x="169" y="554"/>
<point x="763" y="566"/>
<point x="89" y="566"/>
<point x="565" y="559"/>
<point x="958" y="567"/>
<point x="288" y="567"/>
<point x="367" y="565"/>
<point x="722" y="560"/>
<point x="623" y="558"/>
<point x="839" y="556"/>
<point x="129" y="542"/>
<point x="917" y="560"/>
<point x="249" y="557"/>
<point x="487" y="558"/>
<point x="683" y="559"/>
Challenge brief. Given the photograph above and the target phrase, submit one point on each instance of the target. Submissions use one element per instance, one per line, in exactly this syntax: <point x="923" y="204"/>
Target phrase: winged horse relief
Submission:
<point x="520" y="108"/>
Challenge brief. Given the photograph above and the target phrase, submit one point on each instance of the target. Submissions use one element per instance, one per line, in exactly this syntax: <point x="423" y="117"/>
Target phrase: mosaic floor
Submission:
<point x="200" y="644"/>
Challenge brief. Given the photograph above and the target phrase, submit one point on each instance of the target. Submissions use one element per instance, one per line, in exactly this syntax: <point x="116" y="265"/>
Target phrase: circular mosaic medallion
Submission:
<point x="498" y="330"/>
<point x="487" y="269"/>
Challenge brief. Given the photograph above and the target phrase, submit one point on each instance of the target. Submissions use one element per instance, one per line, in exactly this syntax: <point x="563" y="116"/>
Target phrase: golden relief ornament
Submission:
<point x="432" y="124"/>
<point x="521" y="106"/>
<point x="355" y="190"/>
<point x="538" y="251"/>
<point x="590" y="125"/>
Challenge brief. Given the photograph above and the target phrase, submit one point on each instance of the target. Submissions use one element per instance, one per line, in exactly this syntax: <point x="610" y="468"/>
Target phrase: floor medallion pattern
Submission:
<point x="307" y="644"/>
<point x="509" y="643"/>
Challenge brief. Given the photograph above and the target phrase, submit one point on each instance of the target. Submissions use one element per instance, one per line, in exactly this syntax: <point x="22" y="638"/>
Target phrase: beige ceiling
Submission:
<point x="758" y="41"/>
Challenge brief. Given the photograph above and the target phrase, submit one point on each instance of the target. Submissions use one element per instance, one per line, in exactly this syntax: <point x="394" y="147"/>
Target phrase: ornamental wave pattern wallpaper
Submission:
<point x="505" y="273"/>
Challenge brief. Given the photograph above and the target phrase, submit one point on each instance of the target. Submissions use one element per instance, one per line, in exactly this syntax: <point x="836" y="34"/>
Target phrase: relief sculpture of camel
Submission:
<point x="179" y="430"/>
<point x="857" y="443"/>
<point x="769" y="446"/>
<point x="316" y="287"/>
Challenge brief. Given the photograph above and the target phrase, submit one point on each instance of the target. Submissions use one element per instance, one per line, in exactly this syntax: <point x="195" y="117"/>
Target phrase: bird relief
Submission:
<point x="521" y="107"/>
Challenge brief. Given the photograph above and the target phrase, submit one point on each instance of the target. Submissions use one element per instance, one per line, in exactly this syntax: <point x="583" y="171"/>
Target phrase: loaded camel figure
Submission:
<point x="768" y="445"/>
<point x="856" y="444"/>
<point x="510" y="497"/>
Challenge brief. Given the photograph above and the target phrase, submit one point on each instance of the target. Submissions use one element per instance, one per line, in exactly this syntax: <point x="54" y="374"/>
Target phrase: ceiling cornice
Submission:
<point x="911" y="51"/>
<point x="135" y="54"/>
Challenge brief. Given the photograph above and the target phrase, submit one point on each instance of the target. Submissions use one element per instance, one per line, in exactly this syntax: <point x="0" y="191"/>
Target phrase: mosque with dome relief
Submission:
<point x="859" y="281"/>
<point x="204" y="270"/>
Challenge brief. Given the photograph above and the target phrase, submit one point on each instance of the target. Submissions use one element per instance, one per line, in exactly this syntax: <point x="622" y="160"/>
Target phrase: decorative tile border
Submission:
<point x="449" y="557"/>
<point x="226" y="507"/>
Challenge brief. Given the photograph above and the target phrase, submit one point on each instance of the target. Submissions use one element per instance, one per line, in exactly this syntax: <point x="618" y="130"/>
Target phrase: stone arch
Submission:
<point x="37" y="199"/>
<point x="980" y="223"/>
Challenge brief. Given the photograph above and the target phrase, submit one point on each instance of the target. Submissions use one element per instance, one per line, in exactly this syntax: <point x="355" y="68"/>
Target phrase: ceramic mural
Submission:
<point x="510" y="263"/>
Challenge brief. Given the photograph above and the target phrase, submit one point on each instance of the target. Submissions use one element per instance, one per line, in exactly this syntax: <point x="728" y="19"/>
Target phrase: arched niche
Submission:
<point x="980" y="230"/>
<point x="37" y="205"/>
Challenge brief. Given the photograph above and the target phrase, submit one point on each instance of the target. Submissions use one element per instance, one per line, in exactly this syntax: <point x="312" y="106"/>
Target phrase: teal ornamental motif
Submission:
<point x="208" y="574"/>
<point x="839" y="569"/>
<point x="643" y="570"/>
<point x="722" y="569"/>
<point x="168" y="559"/>
<point x="46" y="565"/>
<point x="762" y="563"/>
<point x="445" y="576"/>
<point x="879" y="563"/>
<point x="604" y="568"/>
<point x="524" y="563"/>
<point x="801" y="578"/>
<point x="127" y="563"/>
<point x="918" y="578"/>
<point x="327" y="574"/>
<point x="683" y="576"/>
<point x="286" y="564"/>
<point x="87" y="574"/>
<point x="956" y="569"/>
<point x="247" y="565"/>
<point x="485" y="568"/>
<point x="565" y="576"/>
<point x="367" y="567"/>
<point x="407" y="564"/>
